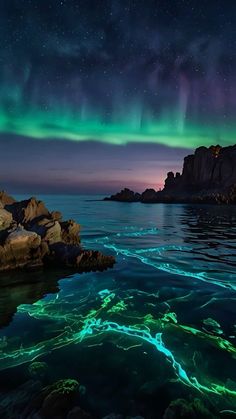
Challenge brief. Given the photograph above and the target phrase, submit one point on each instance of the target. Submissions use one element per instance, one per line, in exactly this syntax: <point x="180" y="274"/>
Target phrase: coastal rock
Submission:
<point x="74" y="257"/>
<point x="70" y="232"/>
<point x="126" y="195"/>
<point x="208" y="176"/>
<point x="6" y="199"/>
<point x="149" y="195"/>
<point x="39" y="238"/>
<point x="28" y="210"/>
<point x="48" y="229"/>
<point x="20" y="248"/>
<point x="5" y="218"/>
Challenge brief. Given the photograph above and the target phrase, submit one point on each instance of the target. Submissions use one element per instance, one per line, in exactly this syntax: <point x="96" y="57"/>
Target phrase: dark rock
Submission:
<point x="12" y="403"/>
<point x="70" y="232"/>
<point x="149" y="195"/>
<point x="74" y="257"/>
<point x="182" y="409"/>
<point x="26" y="211"/>
<point x="208" y="176"/>
<point x="53" y="401"/>
<point x="38" y="369"/>
<point x="78" y="413"/>
<point x="125" y="195"/>
<point x="39" y="238"/>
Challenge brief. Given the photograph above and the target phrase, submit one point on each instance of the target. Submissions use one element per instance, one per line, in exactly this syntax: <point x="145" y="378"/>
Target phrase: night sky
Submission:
<point x="97" y="95"/>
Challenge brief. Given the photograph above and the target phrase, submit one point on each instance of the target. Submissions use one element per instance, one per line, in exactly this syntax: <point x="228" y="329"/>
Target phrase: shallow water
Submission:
<point x="159" y="326"/>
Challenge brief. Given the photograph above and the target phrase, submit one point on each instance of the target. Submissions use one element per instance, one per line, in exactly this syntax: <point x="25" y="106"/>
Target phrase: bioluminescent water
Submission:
<point x="158" y="327"/>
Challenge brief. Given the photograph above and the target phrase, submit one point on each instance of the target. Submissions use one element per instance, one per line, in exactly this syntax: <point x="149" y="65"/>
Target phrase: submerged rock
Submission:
<point x="53" y="401"/>
<point x="31" y="236"/>
<point x="183" y="409"/>
<point x="38" y="369"/>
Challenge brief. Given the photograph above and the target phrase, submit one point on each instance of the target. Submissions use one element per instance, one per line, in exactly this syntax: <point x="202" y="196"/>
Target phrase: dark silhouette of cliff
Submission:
<point x="208" y="176"/>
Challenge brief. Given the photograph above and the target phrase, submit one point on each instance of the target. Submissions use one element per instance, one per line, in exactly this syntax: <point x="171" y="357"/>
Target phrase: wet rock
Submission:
<point x="12" y="404"/>
<point x="54" y="401"/>
<point x="78" y="413"/>
<point x="74" y="257"/>
<point x="38" y="369"/>
<point x="182" y="409"/>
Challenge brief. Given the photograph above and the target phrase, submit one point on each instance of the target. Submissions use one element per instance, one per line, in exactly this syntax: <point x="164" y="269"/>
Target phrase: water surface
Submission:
<point x="159" y="326"/>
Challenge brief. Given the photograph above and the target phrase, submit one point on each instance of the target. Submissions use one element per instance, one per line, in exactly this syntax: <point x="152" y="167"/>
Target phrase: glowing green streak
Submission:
<point x="106" y="326"/>
<point x="167" y="267"/>
<point x="120" y="129"/>
<point x="91" y="326"/>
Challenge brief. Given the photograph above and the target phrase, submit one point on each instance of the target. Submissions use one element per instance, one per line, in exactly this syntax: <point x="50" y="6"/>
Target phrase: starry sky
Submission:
<point x="97" y="95"/>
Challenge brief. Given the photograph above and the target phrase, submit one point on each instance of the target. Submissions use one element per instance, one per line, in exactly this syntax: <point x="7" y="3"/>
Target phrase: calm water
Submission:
<point x="159" y="326"/>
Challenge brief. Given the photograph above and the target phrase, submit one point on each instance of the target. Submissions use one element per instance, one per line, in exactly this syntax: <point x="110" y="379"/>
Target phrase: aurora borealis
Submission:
<point x="151" y="76"/>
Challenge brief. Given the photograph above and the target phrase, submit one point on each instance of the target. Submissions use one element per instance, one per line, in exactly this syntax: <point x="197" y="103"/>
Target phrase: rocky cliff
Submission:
<point x="32" y="237"/>
<point x="208" y="175"/>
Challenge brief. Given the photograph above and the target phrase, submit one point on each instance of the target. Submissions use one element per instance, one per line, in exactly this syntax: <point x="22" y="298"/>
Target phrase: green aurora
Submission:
<point x="170" y="129"/>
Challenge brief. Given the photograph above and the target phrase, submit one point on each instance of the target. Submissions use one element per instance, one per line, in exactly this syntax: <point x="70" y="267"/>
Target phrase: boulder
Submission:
<point x="70" y="232"/>
<point x="6" y="199"/>
<point x="48" y="229"/>
<point x="24" y="212"/>
<point x="20" y="248"/>
<point x="5" y="218"/>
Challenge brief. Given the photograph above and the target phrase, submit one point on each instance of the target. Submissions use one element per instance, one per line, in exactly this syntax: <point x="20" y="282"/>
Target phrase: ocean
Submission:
<point x="158" y="327"/>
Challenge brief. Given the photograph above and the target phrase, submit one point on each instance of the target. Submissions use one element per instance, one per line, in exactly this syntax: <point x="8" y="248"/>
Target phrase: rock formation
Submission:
<point x="31" y="236"/>
<point x="126" y="195"/>
<point x="208" y="176"/>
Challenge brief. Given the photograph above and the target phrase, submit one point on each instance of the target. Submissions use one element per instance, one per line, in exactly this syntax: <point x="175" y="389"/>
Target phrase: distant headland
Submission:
<point x="208" y="176"/>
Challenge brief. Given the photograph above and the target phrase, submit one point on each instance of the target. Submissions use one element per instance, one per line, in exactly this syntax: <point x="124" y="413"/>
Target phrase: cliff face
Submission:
<point x="212" y="168"/>
<point x="208" y="176"/>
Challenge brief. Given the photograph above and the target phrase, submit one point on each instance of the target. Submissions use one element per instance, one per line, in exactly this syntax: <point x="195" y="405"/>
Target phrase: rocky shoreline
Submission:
<point x="208" y="177"/>
<point x="32" y="237"/>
